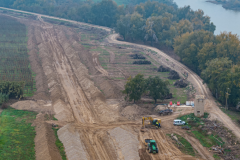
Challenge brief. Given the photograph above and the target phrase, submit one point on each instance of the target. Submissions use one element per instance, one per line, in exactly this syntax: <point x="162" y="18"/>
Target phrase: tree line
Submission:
<point x="155" y="87"/>
<point x="158" y="21"/>
<point x="216" y="58"/>
<point x="228" y="4"/>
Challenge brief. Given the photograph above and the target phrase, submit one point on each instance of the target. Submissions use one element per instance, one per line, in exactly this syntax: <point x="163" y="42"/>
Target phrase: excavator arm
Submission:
<point x="146" y="118"/>
<point x="151" y="120"/>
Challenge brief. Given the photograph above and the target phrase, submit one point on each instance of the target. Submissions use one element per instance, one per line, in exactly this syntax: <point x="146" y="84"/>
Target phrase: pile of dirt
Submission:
<point x="36" y="106"/>
<point x="134" y="111"/>
<point x="173" y="75"/>
<point x="127" y="143"/>
<point x="163" y="69"/>
<point x="42" y="92"/>
<point x="160" y="107"/>
<point x="45" y="140"/>
<point x="73" y="145"/>
<point x="137" y="56"/>
<point x="142" y="62"/>
<point x="181" y="83"/>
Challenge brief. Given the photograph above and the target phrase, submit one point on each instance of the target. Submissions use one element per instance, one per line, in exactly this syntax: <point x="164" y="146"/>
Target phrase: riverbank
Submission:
<point x="227" y="5"/>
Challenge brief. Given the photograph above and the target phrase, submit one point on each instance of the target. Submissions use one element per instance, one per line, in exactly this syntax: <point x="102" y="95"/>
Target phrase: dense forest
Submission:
<point x="190" y="33"/>
<point x="215" y="58"/>
<point x="228" y="4"/>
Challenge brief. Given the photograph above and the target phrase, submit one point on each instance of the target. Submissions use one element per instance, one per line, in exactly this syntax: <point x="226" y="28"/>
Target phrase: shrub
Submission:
<point x="142" y="62"/>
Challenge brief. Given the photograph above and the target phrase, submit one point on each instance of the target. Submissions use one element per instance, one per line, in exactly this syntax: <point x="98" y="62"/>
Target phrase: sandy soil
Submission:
<point x="95" y="128"/>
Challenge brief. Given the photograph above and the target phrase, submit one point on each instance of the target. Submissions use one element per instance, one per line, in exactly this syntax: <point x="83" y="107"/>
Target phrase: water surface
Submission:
<point x="225" y="20"/>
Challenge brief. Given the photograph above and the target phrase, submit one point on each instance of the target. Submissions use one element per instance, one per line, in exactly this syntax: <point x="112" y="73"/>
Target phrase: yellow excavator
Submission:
<point x="153" y="122"/>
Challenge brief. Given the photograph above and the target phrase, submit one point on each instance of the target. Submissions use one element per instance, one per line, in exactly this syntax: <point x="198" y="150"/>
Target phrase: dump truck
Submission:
<point x="153" y="122"/>
<point x="166" y="112"/>
<point x="151" y="145"/>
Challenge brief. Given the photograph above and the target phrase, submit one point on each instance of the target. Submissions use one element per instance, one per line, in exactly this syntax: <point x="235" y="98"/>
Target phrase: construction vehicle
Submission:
<point x="166" y="112"/>
<point x="153" y="122"/>
<point x="151" y="145"/>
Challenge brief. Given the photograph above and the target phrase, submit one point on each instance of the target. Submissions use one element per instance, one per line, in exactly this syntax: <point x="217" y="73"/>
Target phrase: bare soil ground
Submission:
<point x="96" y="129"/>
<point x="85" y="94"/>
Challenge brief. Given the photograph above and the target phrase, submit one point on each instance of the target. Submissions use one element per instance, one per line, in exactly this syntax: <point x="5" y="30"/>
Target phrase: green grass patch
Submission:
<point x="215" y="156"/>
<point x="187" y="148"/>
<point x="84" y="37"/>
<point x="59" y="145"/>
<point x="17" y="135"/>
<point x="86" y="47"/>
<point x="207" y="140"/>
<point x="232" y="114"/>
<point x="102" y="51"/>
<point x="119" y="78"/>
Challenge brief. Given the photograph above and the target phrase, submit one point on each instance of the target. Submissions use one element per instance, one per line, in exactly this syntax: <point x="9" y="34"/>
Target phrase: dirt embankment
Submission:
<point x="45" y="140"/>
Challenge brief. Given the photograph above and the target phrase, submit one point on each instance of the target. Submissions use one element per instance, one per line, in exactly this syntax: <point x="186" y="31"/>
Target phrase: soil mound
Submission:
<point x="160" y="107"/>
<point x="127" y="143"/>
<point x="36" y="106"/>
<point x="73" y="145"/>
<point x="173" y="75"/>
<point x="137" y="56"/>
<point x="163" y="69"/>
<point x="45" y="140"/>
<point x="180" y="83"/>
<point x="134" y="111"/>
<point x="142" y="62"/>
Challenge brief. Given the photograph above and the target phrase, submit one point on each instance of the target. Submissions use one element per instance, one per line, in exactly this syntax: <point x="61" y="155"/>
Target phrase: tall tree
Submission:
<point x="157" y="88"/>
<point x="123" y="26"/>
<point x="150" y="33"/>
<point x="184" y="26"/>
<point x="188" y="45"/>
<point x="135" y="87"/>
<point x="216" y="76"/>
<point x="105" y="13"/>
<point x="228" y="45"/>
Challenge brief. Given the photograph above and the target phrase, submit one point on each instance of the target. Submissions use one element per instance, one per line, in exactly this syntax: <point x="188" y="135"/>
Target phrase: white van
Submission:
<point x="178" y="122"/>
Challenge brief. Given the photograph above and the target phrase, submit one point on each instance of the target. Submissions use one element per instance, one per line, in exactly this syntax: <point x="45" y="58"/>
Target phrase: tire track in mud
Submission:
<point x="90" y="143"/>
<point x="79" y="103"/>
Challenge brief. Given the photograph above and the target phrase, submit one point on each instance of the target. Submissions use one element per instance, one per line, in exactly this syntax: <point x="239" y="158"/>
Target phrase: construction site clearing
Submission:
<point x="81" y="71"/>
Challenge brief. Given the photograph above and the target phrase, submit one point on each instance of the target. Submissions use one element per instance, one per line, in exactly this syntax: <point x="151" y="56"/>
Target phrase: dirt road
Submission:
<point x="94" y="129"/>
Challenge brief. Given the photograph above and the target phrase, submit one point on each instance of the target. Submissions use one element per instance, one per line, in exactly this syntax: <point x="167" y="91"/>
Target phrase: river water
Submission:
<point x="225" y="20"/>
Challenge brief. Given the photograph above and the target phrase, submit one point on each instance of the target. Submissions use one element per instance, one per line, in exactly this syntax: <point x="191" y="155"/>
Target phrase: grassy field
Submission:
<point x="17" y="135"/>
<point x="122" y="60"/>
<point x="14" y="63"/>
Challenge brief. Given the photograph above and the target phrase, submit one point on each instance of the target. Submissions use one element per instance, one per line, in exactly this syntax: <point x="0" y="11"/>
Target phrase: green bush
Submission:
<point x="12" y="89"/>
<point x="3" y="98"/>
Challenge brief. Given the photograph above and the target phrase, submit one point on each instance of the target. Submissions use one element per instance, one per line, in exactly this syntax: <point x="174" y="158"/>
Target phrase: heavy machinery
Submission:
<point x="153" y="122"/>
<point x="151" y="145"/>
